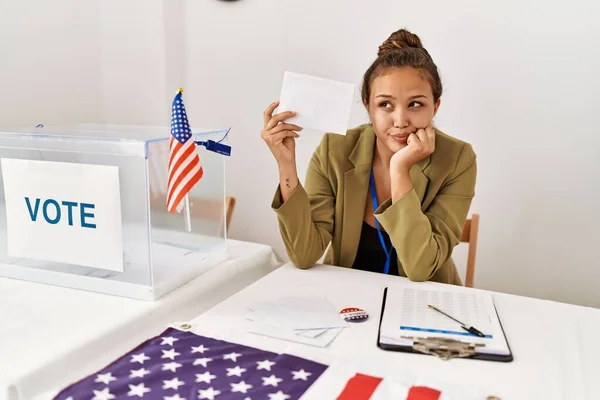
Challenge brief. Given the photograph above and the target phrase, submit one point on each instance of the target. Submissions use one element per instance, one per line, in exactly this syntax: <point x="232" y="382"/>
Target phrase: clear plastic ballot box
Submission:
<point x="84" y="206"/>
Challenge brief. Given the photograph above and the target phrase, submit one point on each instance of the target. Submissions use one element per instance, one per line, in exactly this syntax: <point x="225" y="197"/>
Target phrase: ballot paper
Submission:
<point x="407" y="315"/>
<point x="321" y="104"/>
<point x="303" y="319"/>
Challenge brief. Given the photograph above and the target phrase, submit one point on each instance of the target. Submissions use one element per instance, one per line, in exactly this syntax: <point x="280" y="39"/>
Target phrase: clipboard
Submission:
<point x="440" y="346"/>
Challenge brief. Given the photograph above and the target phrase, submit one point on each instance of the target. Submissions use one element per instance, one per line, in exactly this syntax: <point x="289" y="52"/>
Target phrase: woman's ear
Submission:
<point x="368" y="112"/>
<point x="437" y="106"/>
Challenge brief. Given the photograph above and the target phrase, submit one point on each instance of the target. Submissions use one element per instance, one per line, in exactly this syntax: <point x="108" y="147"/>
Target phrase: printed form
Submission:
<point x="407" y="315"/>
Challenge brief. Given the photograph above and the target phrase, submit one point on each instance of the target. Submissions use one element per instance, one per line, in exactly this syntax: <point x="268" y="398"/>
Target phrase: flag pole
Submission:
<point x="186" y="199"/>
<point x="188" y="219"/>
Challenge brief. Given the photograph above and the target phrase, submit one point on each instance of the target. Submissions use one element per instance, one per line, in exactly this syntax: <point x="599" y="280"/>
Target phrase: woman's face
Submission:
<point x="401" y="102"/>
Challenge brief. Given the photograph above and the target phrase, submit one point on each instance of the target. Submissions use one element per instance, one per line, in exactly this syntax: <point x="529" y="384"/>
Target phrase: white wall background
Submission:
<point x="50" y="65"/>
<point x="521" y="85"/>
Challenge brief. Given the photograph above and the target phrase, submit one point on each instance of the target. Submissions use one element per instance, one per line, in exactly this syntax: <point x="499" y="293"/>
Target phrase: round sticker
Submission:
<point x="353" y="314"/>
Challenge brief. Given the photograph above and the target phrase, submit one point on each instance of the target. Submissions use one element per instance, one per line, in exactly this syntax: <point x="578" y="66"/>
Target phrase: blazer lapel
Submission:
<point x="420" y="180"/>
<point x="356" y="186"/>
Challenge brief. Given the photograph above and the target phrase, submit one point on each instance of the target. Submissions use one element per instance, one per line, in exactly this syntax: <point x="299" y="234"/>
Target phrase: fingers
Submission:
<point x="413" y="140"/>
<point x="269" y="111"/>
<point x="426" y="139"/>
<point x="285" y="127"/>
<point x="278" y="138"/>
<point x="277" y="118"/>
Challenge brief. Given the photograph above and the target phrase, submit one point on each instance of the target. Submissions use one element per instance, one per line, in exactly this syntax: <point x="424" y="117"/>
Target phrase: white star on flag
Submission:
<point x="302" y="374"/>
<point x="208" y="394"/>
<point x="103" y="395"/>
<point x="266" y="365"/>
<point x="271" y="380"/>
<point x="138" y="390"/>
<point x="139" y="358"/>
<point x="171" y="354"/>
<point x="176" y="397"/>
<point x="169" y="340"/>
<point x="173" y="384"/>
<point x="237" y="371"/>
<point x="231" y="356"/>
<point x="105" y="378"/>
<point x="172" y="366"/>
<point x="199" y="349"/>
<point x="202" y="361"/>
<point x="205" y="377"/>
<point x="138" y="373"/>
<point x="241" y="387"/>
<point x="278" y="396"/>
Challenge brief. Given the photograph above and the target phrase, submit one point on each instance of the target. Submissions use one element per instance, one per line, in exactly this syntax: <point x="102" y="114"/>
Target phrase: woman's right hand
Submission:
<point x="279" y="135"/>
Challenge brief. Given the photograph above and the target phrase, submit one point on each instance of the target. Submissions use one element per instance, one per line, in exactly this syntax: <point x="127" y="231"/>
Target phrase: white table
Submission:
<point x="555" y="346"/>
<point x="51" y="335"/>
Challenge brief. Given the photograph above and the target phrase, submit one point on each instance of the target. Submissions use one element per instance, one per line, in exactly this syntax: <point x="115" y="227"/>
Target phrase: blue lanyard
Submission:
<point x="388" y="254"/>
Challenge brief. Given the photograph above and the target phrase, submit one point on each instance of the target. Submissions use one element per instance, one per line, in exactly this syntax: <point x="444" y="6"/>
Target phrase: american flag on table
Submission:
<point x="185" y="169"/>
<point x="180" y="364"/>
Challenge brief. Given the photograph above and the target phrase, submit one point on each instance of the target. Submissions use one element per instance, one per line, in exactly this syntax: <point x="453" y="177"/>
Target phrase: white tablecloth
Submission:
<point x="50" y="336"/>
<point x="555" y="346"/>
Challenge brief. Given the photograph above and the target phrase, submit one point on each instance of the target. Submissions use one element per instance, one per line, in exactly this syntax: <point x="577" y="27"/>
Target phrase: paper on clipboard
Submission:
<point x="320" y="104"/>
<point x="407" y="316"/>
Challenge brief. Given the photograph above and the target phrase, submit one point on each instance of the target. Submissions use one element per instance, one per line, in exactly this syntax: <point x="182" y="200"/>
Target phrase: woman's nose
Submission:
<point x="400" y="119"/>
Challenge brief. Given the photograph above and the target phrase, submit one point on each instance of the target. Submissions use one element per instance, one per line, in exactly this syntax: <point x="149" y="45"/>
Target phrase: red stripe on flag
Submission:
<point x="187" y="188"/>
<point x="359" y="387"/>
<point x="423" y="393"/>
<point x="185" y="154"/>
<point x="182" y="175"/>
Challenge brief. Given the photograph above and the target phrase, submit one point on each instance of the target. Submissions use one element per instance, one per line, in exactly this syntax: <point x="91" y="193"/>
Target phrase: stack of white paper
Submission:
<point x="308" y="320"/>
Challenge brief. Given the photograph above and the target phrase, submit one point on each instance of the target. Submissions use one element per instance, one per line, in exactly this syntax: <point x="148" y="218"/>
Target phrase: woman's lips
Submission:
<point x="402" y="139"/>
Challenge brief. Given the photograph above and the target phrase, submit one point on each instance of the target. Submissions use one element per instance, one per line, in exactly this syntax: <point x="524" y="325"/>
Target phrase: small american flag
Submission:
<point x="180" y="364"/>
<point x="185" y="169"/>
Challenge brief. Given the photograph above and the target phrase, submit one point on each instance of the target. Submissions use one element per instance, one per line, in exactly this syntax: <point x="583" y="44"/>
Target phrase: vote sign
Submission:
<point x="63" y="212"/>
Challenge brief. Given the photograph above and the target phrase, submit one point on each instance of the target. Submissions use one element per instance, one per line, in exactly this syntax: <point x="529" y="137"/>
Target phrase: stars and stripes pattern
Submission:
<point x="185" y="169"/>
<point x="183" y="365"/>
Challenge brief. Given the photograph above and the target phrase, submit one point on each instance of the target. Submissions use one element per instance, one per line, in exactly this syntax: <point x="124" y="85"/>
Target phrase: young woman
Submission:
<point x="390" y="196"/>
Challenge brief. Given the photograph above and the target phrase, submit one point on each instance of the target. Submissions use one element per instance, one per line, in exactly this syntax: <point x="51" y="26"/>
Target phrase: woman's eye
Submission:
<point x="385" y="104"/>
<point x="415" y="104"/>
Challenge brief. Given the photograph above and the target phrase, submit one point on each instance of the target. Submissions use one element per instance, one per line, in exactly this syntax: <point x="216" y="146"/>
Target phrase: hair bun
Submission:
<point x="399" y="40"/>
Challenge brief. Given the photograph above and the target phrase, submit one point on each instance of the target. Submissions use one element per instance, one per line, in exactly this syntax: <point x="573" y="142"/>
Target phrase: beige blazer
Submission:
<point x="424" y="226"/>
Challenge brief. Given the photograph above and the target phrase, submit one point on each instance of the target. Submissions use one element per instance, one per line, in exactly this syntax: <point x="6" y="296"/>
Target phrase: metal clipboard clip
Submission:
<point x="444" y="348"/>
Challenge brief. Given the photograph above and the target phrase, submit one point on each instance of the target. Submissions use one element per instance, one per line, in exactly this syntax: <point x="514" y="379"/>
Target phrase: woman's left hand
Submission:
<point x="419" y="145"/>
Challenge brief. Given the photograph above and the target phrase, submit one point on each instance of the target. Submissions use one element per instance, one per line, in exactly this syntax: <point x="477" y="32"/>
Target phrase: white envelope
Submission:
<point x="320" y="104"/>
<point x="322" y="340"/>
<point x="297" y="312"/>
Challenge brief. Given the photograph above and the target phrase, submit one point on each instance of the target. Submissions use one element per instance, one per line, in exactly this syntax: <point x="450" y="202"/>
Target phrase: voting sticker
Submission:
<point x="353" y="314"/>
